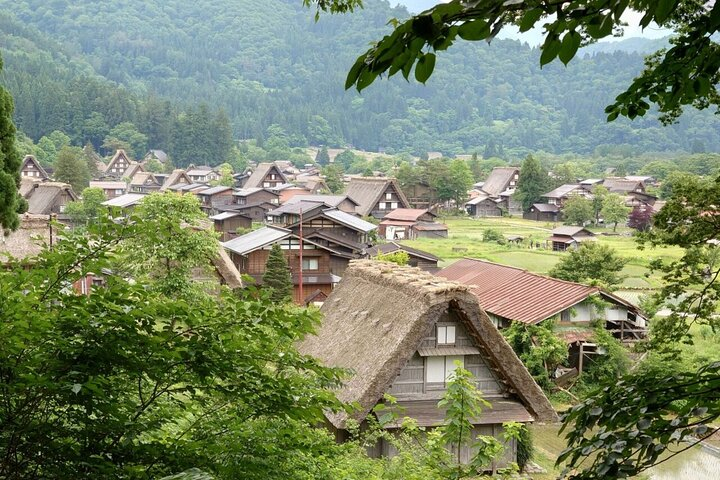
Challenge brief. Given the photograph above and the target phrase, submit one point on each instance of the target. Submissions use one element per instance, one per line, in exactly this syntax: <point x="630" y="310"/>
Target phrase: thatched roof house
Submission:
<point x="28" y="239"/>
<point x="45" y="198"/>
<point x="399" y="329"/>
<point x="376" y="196"/>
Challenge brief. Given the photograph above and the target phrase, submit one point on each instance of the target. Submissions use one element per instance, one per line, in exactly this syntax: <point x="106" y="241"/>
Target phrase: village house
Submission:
<point x="202" y="174"/>
<point x="376" y="196"/>
<point x="341" y="202"/>
<point x="567" y="237"/>
<point x="32" y="169"/>
<point x="110" y="188"/>
<point x="327" y="226"/>
<point x="417" y="258"/>
<point x="250" y="252"/>
<point x="227" y="224"/>
<point x="144" y="182"/>
<point x="176" y="177"/>
<point x="214" y="197"/>
<point x="255" y="195"/>
<point x="543" y="212"/>
<point x="157" y="155"/>
<point x="400" y="331"/>
<point x="510" y="294"/>
<point x="495" y="197"/>
<point x="266" y="175"/>
<point x="411" y="223"/>
<point x="119" y="165"/>
<point x="420" y="195"/>
<point x="45" y="198"/>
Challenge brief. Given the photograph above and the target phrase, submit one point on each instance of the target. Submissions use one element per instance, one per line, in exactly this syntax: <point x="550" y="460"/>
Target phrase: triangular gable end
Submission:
<point x="377" y="338"/>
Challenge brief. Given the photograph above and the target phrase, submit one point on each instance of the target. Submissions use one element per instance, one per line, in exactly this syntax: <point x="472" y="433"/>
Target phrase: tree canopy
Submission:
<point x="684" y="74"/>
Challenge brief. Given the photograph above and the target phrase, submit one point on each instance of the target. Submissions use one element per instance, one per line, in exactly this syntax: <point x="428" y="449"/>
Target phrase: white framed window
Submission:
<point x="310" y="264"/>
<point x="62" y="208"/>
<point x="512" y="183"/>
<point x="30" y="165"/>
<point x="272" y="176"/>
<point x="446" y="335"/>
<point x="118" y="191"/>
<point x="388" y="196"/>
<point x="382" y="206"/>
<point x="393" y="205"/>
<point x="440" y="369"/>
<point x="266" y="184"/>
<point x="83" y="286"/>
<point x="517" y="176"/>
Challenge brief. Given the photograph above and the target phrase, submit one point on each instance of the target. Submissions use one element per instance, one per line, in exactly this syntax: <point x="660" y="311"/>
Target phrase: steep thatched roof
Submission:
<point x="29" y="159"/>
<point x="259" y="174"/>
<point x="177" y="176"/>
<point x="376" y="318"/>
<point x="499" y="180"/>
<point x="368" y="191"/>
<point x="43" y="196"/>
<point x="27" y="240"/>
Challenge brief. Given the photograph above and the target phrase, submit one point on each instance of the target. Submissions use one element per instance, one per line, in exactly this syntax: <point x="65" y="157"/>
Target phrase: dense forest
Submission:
<point x="89" y="66"/>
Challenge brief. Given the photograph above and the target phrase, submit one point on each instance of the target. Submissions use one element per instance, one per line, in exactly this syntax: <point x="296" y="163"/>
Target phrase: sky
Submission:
<point x="534" y="36"/>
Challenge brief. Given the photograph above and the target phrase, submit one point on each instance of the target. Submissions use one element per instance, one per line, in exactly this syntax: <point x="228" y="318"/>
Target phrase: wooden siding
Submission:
<point x="411" y="382"/>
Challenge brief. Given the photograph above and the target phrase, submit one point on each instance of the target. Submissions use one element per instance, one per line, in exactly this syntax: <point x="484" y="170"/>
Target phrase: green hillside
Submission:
<point x="269" y="63"/>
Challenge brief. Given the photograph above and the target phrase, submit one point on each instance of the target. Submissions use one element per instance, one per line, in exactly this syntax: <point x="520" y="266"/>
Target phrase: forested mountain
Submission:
<point x="269" y="63"/>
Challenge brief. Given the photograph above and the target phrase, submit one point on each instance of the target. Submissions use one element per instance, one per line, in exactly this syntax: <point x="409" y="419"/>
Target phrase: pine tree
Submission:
<point x="322" y="157"/>
<point x="533" y="182"/>
<point x="10" y="201"/>
<point x="277" y="276"/>
<point x="71" y="167"/>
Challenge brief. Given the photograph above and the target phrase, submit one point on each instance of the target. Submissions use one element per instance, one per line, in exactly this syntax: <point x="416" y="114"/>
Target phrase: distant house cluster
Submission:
<point x="272" y="203"/>
<point x="631" y="188"/>
<point x="494" y="196"/>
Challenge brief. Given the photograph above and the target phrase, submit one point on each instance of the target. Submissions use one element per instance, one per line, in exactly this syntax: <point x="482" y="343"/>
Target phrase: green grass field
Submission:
<point x="465" y="240"/>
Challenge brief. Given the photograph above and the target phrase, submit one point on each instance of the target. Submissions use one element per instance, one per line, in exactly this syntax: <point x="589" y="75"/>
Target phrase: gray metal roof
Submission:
<point x="127" y="200"/>
<point x="249" y="242"/>
<point x="225" y="215"/>
<point x="330" y="200"/>
<point x="295" y="208"/>
<point x="214" y="190"/>
<point x="350" y="220"/>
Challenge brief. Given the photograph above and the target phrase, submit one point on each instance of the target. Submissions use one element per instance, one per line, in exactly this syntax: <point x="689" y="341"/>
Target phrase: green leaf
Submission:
<point x="550" y="50"/>
<point x="663" y="10"/>
<point x="569" y="47"/>
<point x="425" y="67"/>
<point x="474" y="30"/>
<point x="76" y="388"/>
<point x="530" y="19"/>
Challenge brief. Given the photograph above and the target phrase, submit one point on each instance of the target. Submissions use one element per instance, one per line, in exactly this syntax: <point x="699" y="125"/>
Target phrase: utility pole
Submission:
<point x="302" y="297"/>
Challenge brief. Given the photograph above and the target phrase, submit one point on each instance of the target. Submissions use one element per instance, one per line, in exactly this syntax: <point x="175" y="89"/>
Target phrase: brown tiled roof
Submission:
<point x="499" y="180"/>
<point x="514" y="293"/>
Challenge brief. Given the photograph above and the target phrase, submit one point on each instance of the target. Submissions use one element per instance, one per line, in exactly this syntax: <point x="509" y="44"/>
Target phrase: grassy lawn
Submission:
<point x="465" y="240"/>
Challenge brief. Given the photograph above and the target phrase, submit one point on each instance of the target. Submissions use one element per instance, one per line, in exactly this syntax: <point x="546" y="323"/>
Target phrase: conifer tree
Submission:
<point x="533" y="182"/>
<point x="322" y="157"/>
<point x="277" y="276"/>
<point x="10" y="201"/>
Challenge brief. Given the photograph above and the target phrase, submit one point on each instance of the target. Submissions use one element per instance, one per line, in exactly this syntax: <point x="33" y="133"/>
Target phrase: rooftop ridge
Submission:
<point x="411" y="280"/>
<point x="532" y="273"/>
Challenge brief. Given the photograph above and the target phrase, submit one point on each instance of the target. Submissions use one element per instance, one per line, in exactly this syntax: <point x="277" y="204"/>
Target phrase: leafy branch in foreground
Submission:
<point x="630" y="424"/>
<point x="683" y="75"/>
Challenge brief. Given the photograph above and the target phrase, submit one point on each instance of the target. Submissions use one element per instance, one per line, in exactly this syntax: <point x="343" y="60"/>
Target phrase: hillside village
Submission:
<point x="329" y="241"/>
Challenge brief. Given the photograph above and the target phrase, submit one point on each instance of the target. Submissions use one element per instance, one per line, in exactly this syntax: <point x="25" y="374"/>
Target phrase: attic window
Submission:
<point x="446" y="335"/>
<point x="388" y="196"/>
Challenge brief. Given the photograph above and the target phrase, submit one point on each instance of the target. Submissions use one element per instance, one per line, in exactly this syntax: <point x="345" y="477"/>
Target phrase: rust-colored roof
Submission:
<point x="514" y="293"/>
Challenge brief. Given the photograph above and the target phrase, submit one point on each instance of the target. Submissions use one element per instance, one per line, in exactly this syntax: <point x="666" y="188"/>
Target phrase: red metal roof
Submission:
<point x="514" y="293"/>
